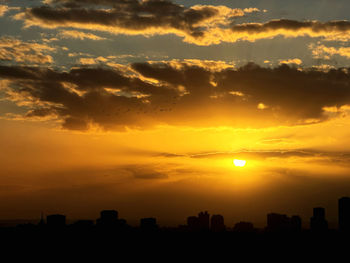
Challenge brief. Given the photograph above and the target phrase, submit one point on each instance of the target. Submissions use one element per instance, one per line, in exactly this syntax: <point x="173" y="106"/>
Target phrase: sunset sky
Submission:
<point x="142" y="106"/>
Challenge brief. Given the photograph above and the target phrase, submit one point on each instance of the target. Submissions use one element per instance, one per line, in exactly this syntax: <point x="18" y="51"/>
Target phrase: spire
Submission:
<point x="42" y="221"/>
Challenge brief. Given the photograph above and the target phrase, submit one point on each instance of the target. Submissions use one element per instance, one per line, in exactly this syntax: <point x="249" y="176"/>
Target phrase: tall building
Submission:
<point x="344" y="214"/>
<point x="280" y="222"/>
<point x="109" y="215"/>
<point x="295" y="223"/>
<point x="318" y="222"/>
<point x="192" y="223"/>
<point x="217" y="223"/>
<point x="203" y="218"/>
<point x="200" y="222"/>
<point x="108" y="218"/>
<point x="277" y="222"/>
<point x="42" y="221"/>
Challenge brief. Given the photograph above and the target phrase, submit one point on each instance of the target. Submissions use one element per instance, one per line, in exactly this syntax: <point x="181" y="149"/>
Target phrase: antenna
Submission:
<point x="42" y="222"/>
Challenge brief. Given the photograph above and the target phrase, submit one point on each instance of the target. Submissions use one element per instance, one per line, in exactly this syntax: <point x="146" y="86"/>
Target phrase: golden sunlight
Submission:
<point x="239" y="163"/>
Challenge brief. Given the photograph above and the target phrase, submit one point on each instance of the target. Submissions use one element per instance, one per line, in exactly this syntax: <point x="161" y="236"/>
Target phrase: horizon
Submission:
<point x="305" y="224"/>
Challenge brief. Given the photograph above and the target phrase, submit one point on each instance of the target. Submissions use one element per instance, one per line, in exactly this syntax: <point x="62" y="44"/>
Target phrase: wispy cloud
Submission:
<point x="3" y="9"/>
<point x="74" y="34"/>
<point x="295" y="61"/>
<point x="325" y="52"/>
<point x="12" y="49"/>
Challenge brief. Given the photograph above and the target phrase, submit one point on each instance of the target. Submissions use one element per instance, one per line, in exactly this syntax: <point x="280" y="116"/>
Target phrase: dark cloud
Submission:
<point x="199" y="24"/>
<point x="293" y="25"/>
<point x="331" y="30"/>
<point x="178" y="94"/>
<point x="134" y="17"/>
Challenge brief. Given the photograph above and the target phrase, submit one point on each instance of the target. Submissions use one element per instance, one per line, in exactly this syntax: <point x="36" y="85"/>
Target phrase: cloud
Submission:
<point x="148" y="175"/>
<point x="155" y="17"/>
<point x="323" y="67"/>
<point x="92" y="61"/>
<point x="3" y="9"/>
<point x="12" y="49"/>
<point x="198" y="24"/>
<point x="332" y="30"/>
<point x="295" y="61"/>
<point x="78" y="35"/>
<point x="324" y="52"/>
<point x="87" y="61"/>
<point x="144" y="95"/>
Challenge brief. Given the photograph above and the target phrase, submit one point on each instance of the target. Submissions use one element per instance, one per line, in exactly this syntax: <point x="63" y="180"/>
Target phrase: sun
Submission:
<point x="239" y="163"/>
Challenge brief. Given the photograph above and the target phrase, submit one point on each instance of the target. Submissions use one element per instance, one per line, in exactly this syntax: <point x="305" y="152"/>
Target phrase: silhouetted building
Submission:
<point x="56" y="221"/>
<point x="42" y="221"/>
<point x="243" y="227"/>
<point x="193" y="223"/>
<point x="217" y="223"/>
<point x="295" y="224"/>
<point x="278" y="222"/>
<point x="318" y="222"/>
<point x="203" y="218"/>
<point x="108" y="218"/>
<point x="200" y="222"/>
<point x="109" y="215"/>
<point x="148" y="224"/>
<point x="83" y="224"/>
<point x="344" y="214"/>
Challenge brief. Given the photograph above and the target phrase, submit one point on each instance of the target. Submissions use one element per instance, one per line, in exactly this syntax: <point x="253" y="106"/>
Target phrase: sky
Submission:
<point x="142" y="106"/>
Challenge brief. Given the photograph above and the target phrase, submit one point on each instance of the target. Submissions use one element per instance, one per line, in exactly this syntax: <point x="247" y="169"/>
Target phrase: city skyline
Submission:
<point x="203" y="221"/>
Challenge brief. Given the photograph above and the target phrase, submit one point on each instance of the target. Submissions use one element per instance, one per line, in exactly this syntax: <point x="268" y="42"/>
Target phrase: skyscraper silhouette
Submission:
<point x="193" y="223"/>
<point x="277" y="222"/>
<point x="203" y="218"/>
<point x="108" y="218"/>
<point x="344" y="214"/>
<point x="109" y="215"/>
<point x="217" y="223"/>
<point x="42" y="221"/>
<point x="318" y="222"/>
<point x="200" y="222"/>
<point x="295" y="223"/>
<point x="280" y="222"/>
